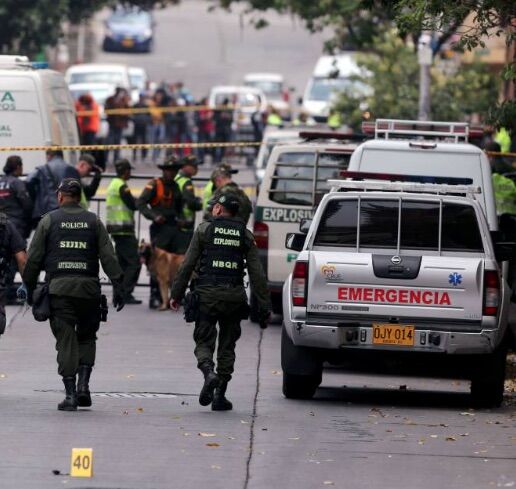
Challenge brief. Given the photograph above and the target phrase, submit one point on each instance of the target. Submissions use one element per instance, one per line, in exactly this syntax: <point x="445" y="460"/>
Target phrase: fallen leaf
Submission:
<point x="450" y="438"/>
<point x="275" y="372"/>
<point x="206" y="435"/>
<point x="126" y="412"/>
<point x="434" y="436"/>
<point x="467" y="414"/>
<point x="295" y="438"/>
<point x="212" y="445"/>
<point x="216" y="467"/>
<point x="388" y="431"/>
<point x="231" y="437"/>
<point x="464" y="434"/>
<point x="444" y="425"/>
<point x="140" y="410"/>
<point x="265" y="429"/>
<point x="186" y="434"/>
<point x="244" y="422"/>
<point x="328" y="483"/>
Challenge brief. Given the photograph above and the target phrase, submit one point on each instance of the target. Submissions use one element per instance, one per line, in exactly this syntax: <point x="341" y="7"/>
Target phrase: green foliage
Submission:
<point x="393" y="75"/>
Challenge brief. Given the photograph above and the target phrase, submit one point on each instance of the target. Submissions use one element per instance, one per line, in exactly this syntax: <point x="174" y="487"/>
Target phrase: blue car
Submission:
<point x="129" y="30"/>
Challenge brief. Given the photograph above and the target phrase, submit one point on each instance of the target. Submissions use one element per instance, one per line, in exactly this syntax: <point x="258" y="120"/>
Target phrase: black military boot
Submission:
<point x="211" y="381"/>
<point x="220" y="403"/>
<point x="69" y="403"/>
<point x="83" y="387"/>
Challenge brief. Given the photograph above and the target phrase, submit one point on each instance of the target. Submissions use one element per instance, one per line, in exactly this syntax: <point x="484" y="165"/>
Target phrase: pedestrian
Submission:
<point x="142" y="125"/>
<point x="157" y="128"/>
<point x="120" y="207"/>
<point x="191" y="203"/>
<point x="224" y="184"/>
<point x="210" y="187"/>
<point x="84" y="168"/>
<point x="88" y="118"/>
<point x="12" y="248"/>
<point x="218" y="253"/>
<point x="16" y="204"/>
<point x="205" y="128"/>
<point x="223" y="119"/>
<point x="117" y="122"/>
<point x="161" y="202"/>
<point x="273" y="117"/>
<point x="67" y="245"/>
<point x="15" y="200"/>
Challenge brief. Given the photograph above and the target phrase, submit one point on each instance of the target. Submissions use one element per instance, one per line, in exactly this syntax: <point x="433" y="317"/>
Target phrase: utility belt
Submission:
<point x="220" y="281"/>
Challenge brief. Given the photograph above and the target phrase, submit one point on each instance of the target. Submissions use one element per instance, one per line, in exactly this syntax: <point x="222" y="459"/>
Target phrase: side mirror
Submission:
<point x="505" y="251"/>
<point x="295" y="241"/>
<point x="304" y="225"/>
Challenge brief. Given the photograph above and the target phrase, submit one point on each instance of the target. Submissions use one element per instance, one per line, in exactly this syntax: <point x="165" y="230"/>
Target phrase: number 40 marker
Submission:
<point x="82" y="462"/>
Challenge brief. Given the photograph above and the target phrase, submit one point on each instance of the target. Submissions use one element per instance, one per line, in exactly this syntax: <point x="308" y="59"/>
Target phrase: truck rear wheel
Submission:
<point x="302" y="369"/>
<point x="487" y="385"/>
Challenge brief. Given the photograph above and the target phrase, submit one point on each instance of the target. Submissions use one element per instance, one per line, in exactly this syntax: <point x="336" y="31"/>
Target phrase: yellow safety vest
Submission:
<point x="119" y="218"/>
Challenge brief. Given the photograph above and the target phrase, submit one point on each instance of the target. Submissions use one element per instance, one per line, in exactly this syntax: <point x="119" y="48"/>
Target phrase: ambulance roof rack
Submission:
<point x="315" y="135"/>
<point x="403" y="183"/>
<point x="395" y="129"/>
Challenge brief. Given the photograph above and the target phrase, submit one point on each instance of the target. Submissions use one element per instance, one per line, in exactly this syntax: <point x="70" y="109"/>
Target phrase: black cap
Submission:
<point x="123" y="164"/>
<point x="170" y="163"/>
<point x="229" y="202"/>
<point x="189" y="160"/>
<point x="70" y="186"/>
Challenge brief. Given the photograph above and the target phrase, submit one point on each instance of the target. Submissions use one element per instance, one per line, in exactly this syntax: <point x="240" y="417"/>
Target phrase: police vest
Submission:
<point x="274" y="120"/>
<point x="181" y="181"/>
<point x="119" y="218"/>
<point x="72" y="244"/>
<point x="222" y="261"/>
<point x="207" y="193"/>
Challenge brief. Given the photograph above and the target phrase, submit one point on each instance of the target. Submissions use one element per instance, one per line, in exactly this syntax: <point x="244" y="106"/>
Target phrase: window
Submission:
<point x="419" y="230"/>
<point x="293" y="179"/>
<point x="338" y="225"/>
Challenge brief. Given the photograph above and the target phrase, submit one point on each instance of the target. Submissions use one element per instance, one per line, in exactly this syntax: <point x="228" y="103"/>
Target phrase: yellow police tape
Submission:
<point x="108" y="147"/>
<point x="158" y="110"/>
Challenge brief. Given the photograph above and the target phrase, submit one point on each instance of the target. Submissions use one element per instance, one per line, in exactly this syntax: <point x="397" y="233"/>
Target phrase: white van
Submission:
<point x="37" y="110"/>
<point x="295" y="180"/>
<point x="331" y="75"/>
<point x="273" y="86"/>
<point x="440" y="149"/>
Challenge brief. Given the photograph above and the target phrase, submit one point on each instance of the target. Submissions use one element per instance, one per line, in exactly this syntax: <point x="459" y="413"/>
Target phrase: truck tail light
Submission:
<point x="299" y="283"/>
<point x="261" y="235"/>
<point x="491" y="293"/>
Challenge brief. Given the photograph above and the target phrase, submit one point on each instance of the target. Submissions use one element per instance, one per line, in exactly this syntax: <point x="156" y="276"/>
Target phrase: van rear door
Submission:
<point x="389" y="258"/>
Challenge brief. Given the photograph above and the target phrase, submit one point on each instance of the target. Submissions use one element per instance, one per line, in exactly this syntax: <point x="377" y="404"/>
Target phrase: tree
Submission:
<point x="28" y="26"/>
<point x="392" y="75"/>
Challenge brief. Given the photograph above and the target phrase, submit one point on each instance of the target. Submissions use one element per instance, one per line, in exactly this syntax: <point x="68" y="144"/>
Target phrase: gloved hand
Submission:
<point x="22" y="292"/>
<point x="264" y="318"/>
<point x="118" y="300"/>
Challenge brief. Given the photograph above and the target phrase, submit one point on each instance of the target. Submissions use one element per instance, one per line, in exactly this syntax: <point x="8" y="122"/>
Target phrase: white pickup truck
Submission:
<point x="397" y="276"/>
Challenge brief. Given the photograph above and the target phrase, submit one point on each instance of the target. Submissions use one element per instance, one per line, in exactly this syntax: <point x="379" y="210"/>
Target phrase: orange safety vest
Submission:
<point x="162" y="197"/>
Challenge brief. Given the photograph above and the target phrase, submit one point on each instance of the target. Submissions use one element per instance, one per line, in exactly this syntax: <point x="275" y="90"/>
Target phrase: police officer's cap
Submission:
<point x="223" y="169"/>
<point x="70" y="186"/>
<point x="189" y="160"/>
<point x="123" y="164"/>
<point x="229" y="202"/>
<point x="170" y="163"/>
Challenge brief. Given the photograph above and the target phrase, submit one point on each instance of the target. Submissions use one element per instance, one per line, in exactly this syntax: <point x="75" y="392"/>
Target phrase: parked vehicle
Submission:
<point x="273" y="86"/>
<point x="331" y="75"/>
<point x="398" y="277"/>
<point x="37" y="110"/>
<point x="129" y="29"/>
<point x="296" y="178"/>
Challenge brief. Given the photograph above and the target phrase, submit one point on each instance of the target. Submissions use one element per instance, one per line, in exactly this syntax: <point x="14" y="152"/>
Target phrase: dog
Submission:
<point x="163" y="266"/>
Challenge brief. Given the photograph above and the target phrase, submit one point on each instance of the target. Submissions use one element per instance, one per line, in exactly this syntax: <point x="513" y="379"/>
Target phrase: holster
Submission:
<point x="41" y="303"/>
<point x="191" y="306"/>
<point x="103" y="308"/>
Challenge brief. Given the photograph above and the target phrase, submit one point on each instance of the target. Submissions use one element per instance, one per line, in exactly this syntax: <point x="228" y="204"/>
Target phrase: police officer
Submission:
<point x="68" y="244"/>
<point x="210" y="187"/>
<point x="225" y="185"/>
<point x="162" y="203"/>
<point x="220" y="250"/>
<point x="11" y="245"/>
<point x="120" y="207"/>
<point x="191" y="203"/>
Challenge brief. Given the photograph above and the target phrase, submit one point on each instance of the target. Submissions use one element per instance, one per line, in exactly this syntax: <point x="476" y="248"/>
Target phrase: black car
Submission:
<point x="129" y="30"/>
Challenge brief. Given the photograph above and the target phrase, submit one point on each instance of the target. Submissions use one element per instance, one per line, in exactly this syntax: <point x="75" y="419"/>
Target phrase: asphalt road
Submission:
<point x="148" y="431"/>
<point x="204" y="49"/>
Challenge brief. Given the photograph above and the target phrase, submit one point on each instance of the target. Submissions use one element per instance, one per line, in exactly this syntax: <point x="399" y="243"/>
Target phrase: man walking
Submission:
<point x="120" y="207"/>
<point x="219" y="252"/>
<point x="192" y="203"/>
<point x="68" y="244"/>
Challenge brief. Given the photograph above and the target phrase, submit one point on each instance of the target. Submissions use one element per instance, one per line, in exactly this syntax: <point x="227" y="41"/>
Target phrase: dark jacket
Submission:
<point x="16" y="203"/>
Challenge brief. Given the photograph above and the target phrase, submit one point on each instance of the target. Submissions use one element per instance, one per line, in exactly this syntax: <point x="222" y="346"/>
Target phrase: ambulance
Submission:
<point x="398" y="274"/>
<point x="36" y="110"/>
